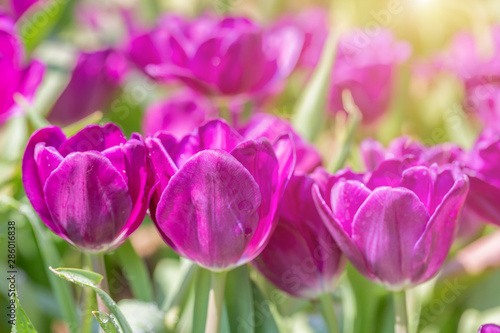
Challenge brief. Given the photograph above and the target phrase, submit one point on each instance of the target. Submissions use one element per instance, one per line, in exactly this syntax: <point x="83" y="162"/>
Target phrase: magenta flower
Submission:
<point x="489" y="328"/>
<point x="313" y="23"/>
<point x="366" y="67"/>
<point x="395" y="229"/>
<point x="479" y="69"/>
<point x="16" y="80"/>
<point x="271" y="127"/>
<point x="94" y="83"/>
<point x="178" y="115"/>
<point x="91" y="189"/>
<point x="483" y="167"/>
<point x="213" y="55"/>
<point x="217" y="193"/>
<point x="301" y="257"/>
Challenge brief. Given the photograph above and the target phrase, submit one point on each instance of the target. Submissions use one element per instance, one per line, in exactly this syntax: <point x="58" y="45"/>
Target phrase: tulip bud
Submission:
<point x="91" y="189"/>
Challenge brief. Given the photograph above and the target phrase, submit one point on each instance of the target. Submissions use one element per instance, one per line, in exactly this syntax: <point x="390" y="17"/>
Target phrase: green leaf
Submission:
<point x="239" y="300"/>
<point x="143" y="316"/>
<point x="262" y="311"/>
<point x="309" y="112"/>
<point x="90" y="279"/>
<point x="49" y="256"/>
<point x="23" y="323"/>
<point x="107" y="322"/>
<point x="78" y="276"/>
<point x="136" y="272"/>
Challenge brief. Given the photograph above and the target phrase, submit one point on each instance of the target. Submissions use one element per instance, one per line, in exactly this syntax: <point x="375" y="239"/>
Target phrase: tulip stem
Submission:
<point x="401" y="323"/>
<point x="328" y="312"/>
<point x="99" y="267"/>
<point x="215" y="301"/>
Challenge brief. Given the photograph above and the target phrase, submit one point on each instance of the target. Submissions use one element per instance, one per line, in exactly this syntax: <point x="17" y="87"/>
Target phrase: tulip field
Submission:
<point x="258" y="166"/>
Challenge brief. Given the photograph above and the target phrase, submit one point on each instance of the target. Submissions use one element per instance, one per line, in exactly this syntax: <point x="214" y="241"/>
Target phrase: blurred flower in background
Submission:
<point x="94" y="83"/>
<point x="477" y="64"/>
<point x="366" y="66"/>
<point x="227" y="56"/>
<point x="18" y="83"/>
<point x="179" y="114"/>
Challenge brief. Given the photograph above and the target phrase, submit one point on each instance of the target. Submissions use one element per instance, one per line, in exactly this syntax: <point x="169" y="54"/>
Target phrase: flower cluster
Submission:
<point x="223" y="166"/>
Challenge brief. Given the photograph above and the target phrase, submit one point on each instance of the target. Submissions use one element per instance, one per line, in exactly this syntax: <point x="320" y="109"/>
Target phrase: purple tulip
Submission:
<point x="301" y="257"/>
<point x="271" y="127"/>
<point x="217" y="193"/>
<point x="366" y="67"/>
<point x="93" y="85"/>
<point x="396" y="229"/>
<point x="212" y="55"/>
<point x="178" y="115"/>
<point x="479" y="69"/>
<point x="313" y="23"/>
<point x="489" y="328"/>
<point x="91" y="189"/>
<point x="16" y="79"/>
<point x="483" y="167"/>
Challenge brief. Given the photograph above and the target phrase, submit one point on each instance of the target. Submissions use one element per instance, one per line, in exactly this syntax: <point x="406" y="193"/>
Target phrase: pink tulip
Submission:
<point x="396" y="229"/>
<point x="301" y="257"/>
<point x="365" y="65"/>
<point x="217" y="193"/>
<point x="213" y="55"/>
<point x="16" y="79"/>
<point x="91" y="189"/>
<point x="94" y="83"/>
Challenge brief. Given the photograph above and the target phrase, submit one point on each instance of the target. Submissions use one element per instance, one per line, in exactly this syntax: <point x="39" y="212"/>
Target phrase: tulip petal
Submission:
<point x="387" y="174"/>
<point x="434" y="244"/>
<point x="259" y="159"/>
<point x="215" y="134"/>
<point x="284" y="148"/>
<point x="339" y="234"/>
<point x="386" y="229"/>
<point x="287" y="251"/>
<point x="420" y="181"/>
<point x="93" y="137"/>
<point x="209" y="209"/>
<point x="140" y="182"/>
<point x="372" y="152"/>
<point x="47" y="160"/>
<point x="346" y="198"/>
<point x="483" y="199"/>
<point x="50" y="137"/>
<point x="88" y="199"/>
